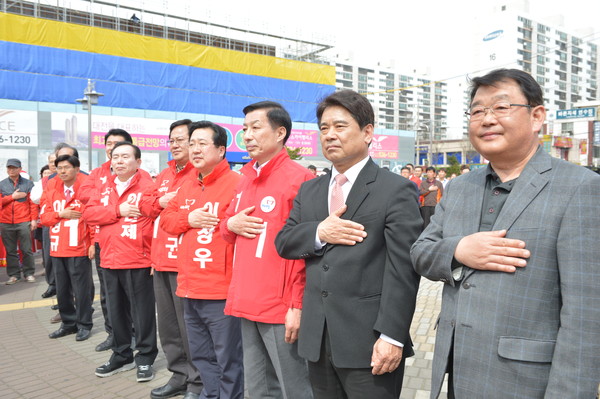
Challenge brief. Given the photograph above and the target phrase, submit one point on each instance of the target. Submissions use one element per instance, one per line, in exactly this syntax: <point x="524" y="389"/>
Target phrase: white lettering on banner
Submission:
<point x="53" y="243"/>
<point x="103" y="180"/>
<point x="205" y="236"/>
<point x="238" y="197"/>
<point x="164" y="187"/>
<point x="171" y="254"/>
<point x="203" y="256"/>
<point x="188" y="204"/>
<point x="58" y="205"/>
<point x="130" y="231"/>
<point x="260" y="246"/>
<point x="134" y="199"/>
<point x="155" y="230"/>
<point x="73" y="225"/>
<point x="104" y="200"/>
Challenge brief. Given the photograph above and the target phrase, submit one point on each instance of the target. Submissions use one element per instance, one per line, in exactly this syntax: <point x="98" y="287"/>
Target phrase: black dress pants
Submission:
<point x="130" y="298"/>
<point x="331" y="382"/>
<point x="74" y="290"/>
<point x="100" y="272"/>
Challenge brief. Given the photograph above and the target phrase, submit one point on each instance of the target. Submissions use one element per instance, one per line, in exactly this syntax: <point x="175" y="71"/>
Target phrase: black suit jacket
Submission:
<point x="364" y="290"/>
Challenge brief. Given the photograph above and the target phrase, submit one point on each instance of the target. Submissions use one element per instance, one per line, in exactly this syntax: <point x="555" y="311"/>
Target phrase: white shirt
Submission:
<point x="122" y="185"/>
<point x="258" y="167"/>
<point x="69" y="189"/>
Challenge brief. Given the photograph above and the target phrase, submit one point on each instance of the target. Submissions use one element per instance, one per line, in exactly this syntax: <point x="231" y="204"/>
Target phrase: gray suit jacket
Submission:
<point x="363" y="290"/>
<point x="534" y="333"/>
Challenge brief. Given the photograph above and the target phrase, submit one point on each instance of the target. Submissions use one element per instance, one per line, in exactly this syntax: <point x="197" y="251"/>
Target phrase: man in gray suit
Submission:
<point x="354" y="227"/>
<point x="516" y="244"/>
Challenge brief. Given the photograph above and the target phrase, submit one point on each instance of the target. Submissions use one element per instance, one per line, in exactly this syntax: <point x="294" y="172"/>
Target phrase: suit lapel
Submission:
<point x="360" y="190"/>
<point x="322" y="191"/>
<point x="473" y="203"/>
<point x="529" y="184"/>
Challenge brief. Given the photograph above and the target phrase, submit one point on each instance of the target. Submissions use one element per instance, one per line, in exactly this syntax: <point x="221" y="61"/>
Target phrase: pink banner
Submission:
<point x="384" y="147"/>
<point x="305" y="139"/>
<point x="146" y="142"/>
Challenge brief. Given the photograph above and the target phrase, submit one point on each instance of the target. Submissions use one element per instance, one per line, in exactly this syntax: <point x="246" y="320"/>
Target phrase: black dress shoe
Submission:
<point x="191" y="395"/>
<point x="54" y="307"/>
<point x="82" y="334"/>
<point x="167" y="391"/>
<point x="51" y="291"/>
<point x="105" y="345"/>
<point x="63" y="331"/>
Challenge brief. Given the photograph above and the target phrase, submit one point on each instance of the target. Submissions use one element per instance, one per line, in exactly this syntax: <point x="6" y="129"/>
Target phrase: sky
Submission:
<point x="436" y="34"/>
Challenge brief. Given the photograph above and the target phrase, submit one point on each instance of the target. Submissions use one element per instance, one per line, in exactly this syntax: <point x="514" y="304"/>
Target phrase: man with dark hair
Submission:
<point x="313" y="169"/>
<point x="464" y="169"/>
<point x="65" y="149"/>
<point x="354" y="227"/>
<point x="515" y="244"/>
<point x="441" y="176"/>
<point x="18" y="219"/>
<point x="70" y="244"/>
<point x="416" y="175"/>
<point x="94" y="186"/>
<point x="125" y="238"/>
<point x="169" y="307"/>
<point x="266" y="290"/>
<point x="205" y="262"/>
<point x="431" y="190"/>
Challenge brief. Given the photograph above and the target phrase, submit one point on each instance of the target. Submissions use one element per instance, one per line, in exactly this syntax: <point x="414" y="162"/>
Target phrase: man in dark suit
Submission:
<point x="360" y="287"/>
<point x="516" y="245"/>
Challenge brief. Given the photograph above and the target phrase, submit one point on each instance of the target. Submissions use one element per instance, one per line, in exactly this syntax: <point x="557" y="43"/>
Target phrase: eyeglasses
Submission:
<point x="200" y="144"/>
<point x="499" y="110"/>
<point x="179" y="141"/>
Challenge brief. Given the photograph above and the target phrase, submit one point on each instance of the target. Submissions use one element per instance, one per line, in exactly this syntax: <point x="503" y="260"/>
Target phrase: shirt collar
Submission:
<point x="258" y="167"/>
<point x="352" y="173"/>
<point x="119" y="183"/>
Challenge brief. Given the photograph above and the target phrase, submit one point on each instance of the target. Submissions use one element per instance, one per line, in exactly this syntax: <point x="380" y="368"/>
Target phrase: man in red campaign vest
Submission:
<point x="266" y="290"/>
<point x="169" y="307"/>
<point x="206" y="261"/>
<point x="70" y="240"/>
<point x="92" y="187"/>
<point x="125" y="237"/>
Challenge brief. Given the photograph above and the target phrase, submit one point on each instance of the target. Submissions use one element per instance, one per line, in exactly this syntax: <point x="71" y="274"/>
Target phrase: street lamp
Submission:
<point x="420" y="127"/>
<point x="90" y="97"/>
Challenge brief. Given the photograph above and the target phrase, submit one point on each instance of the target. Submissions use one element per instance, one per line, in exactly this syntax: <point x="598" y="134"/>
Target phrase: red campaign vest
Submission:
<point x="205" y="259"/>
<point x="164" y="245"/>
<point x="68" y="237"/>
<point x="124" y="241"/>
<point x="264" y="285"/>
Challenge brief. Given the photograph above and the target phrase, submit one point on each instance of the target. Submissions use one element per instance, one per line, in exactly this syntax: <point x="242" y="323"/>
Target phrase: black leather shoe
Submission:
<point x="82" y="334"/>
<point x="63" y="331"/>
<point x="167" y="391"/>
<point x="54" y="307"/>
<point x="51" y="291"/>
<point x="105" y="345"/>
<point x="191" y="395"/>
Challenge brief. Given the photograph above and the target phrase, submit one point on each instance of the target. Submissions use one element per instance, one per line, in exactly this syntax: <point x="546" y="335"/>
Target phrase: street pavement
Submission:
<point x="35" y="366"/>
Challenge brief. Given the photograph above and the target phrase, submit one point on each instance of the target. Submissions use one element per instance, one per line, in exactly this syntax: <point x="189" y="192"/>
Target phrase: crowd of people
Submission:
<point x="283" y="283"/>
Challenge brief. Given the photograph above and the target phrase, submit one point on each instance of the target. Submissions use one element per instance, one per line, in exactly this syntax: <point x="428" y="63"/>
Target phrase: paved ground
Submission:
<point x="34" y="366"/>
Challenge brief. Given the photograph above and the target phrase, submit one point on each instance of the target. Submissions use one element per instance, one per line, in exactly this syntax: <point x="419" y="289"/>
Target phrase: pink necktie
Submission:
<point x="337" y="195"/>
<point x="68" y="195"/>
